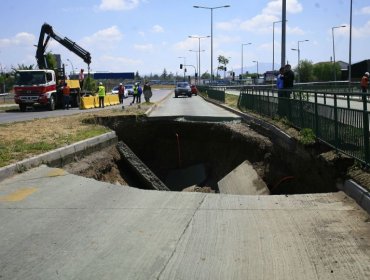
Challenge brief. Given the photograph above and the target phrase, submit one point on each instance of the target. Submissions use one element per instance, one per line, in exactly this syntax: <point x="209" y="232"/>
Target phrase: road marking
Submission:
<point x="18" y="195"/>
<point x="56" y="172"/>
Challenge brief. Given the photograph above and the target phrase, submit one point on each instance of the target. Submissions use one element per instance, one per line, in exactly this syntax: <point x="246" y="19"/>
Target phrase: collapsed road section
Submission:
<point x="217" y="157"/>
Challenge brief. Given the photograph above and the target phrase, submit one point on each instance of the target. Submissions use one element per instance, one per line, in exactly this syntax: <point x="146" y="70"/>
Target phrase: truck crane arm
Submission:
<point x="47" y="29"/>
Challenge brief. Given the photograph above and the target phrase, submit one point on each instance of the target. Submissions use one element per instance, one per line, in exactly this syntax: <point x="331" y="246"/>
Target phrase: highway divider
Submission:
<point x="89" y="102"/>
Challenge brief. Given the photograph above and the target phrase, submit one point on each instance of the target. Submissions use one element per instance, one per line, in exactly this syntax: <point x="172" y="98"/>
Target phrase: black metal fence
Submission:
<point x="340" y="119"/>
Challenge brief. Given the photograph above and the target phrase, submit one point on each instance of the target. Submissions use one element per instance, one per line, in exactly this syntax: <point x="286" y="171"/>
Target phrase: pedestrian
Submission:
<point x="280" y="88"/>
<point x="121" y="92"/>
<point x="288" y="82"/>
<point x="139" y="93"/>
<point x="147" y="92"/>
<point x="81" y="78"/>
<point x="135" y="94"/>
<point x="280" y="81"/>
<point x="365" y="82"/>
<point x="101" y="94"/>
<point x="66" y="92"/>
<point x="288" y="79"/>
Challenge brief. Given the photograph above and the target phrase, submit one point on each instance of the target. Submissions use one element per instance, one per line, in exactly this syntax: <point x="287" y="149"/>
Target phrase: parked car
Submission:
<point x="115" y="91"/>
<point x="183" y="88"/>
<point x="129" y="89"/>
<point x="194" y="89"/>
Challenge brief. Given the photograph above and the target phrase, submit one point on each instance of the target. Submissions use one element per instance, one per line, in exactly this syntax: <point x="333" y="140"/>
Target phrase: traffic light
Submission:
<point x="225" y="69"/>
<point x="180" y="66"/>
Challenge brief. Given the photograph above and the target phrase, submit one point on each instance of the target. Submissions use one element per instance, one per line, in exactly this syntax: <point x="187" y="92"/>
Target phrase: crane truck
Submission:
<point x="43" y="86"/>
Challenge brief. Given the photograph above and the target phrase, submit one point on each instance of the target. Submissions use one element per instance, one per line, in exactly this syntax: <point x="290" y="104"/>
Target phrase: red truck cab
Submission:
<point x="35" y="87"/>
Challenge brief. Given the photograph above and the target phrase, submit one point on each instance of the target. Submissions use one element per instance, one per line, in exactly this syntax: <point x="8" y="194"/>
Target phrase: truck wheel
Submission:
<point x="51" y="105"/>
<point x="22" y="107"/>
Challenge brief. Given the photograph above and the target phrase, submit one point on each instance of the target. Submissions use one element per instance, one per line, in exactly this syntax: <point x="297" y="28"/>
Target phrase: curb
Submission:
<point x="357" y="193"/>
<point x="60" y="156"/>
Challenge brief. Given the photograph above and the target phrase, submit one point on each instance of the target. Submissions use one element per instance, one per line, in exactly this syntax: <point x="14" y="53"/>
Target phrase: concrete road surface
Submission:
<point x="55" y="225"/>
<point x="191" y="108"/>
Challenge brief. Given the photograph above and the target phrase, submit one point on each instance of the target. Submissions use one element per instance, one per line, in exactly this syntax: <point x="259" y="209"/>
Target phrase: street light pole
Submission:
<point x="73" y="69"/>
<point x="199" y="37"/>
<point x="242" y="57"/>
<point x="332" y="32"/>
<point x="255" y="61"/>
<point x="350" y="47"/>
<point x="212" y="8"/>
<point x="299" y="59"/>
<point x="273" y="45"/>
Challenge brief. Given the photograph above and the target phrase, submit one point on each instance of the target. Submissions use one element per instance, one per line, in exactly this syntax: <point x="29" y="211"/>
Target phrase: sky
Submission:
<point x="148" y="36"/>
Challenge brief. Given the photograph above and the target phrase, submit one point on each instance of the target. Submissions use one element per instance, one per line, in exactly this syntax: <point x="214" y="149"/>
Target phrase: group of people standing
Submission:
<point x="138" y="91"/>
<point x="284" y="83"/>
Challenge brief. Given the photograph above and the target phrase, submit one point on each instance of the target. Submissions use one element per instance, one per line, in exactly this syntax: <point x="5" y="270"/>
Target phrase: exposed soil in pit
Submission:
<point x="165" y="145"/>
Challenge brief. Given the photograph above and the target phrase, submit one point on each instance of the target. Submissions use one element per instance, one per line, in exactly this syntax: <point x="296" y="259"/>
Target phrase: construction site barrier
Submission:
<point x="113" y="99"/>
<point x="88" y="102"/>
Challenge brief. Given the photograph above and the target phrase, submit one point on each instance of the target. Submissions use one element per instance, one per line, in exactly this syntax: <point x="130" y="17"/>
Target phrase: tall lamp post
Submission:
<point x="273" y="44"/>
<point x="255" y="61"/>
<point x="350" y="46"/>
<point x="199" y="37"/>
<point x="73" y="69"/>
<point x="299" y="59"/>
<point x="242" y="57"/>
<point x="211" y="8"/>
<point x="332" y="32"/>
<point x="197" y="53"/>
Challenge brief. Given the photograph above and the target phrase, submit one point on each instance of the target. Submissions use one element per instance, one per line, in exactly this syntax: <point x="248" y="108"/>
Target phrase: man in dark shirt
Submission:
<point x="288" y="77"/>
<point x="288" y="81"/>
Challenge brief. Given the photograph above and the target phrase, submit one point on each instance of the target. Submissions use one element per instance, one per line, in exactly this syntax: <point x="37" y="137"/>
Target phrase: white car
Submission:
<point x="129" y="89"/>
<point x="115" y="91"/>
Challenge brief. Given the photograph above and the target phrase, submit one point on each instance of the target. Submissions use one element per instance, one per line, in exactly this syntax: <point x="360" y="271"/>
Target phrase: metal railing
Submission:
<point x="340" y="119"/>
<point x="336" y="112"/>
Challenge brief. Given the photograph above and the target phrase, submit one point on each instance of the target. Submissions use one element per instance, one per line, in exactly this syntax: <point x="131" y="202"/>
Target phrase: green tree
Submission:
<point x="323" y="71"/>
<point x="23" y="67"/>
<point x="206" y="76"/>
<point x="51" y="60"/>
<point x="305" y="71"/>
<point x="137" y="75"/>
<point x="222" y="63"/>
<point x="164" y="74"/>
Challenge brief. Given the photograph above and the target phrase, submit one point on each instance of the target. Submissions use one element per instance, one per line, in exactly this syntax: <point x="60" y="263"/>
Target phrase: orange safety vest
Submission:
<point x="364" y="82"/>
<point x="66" y="90"/>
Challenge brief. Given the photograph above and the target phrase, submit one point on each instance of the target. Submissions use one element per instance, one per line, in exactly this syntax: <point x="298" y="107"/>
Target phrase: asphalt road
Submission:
<point x="55" y="225"/>
<point x="16" y="115"/>
<point x="193" y="108"/>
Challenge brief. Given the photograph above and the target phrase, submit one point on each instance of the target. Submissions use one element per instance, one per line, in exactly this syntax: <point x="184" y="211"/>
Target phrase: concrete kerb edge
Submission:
<point x="147" y="112"/>
<point x="358" y="194"/>
<point x="350" y="187"/>
<point x="60" y="156"/>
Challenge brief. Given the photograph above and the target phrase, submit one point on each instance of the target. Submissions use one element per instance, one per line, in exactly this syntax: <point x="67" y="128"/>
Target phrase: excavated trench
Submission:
<point x="185" y="154"/>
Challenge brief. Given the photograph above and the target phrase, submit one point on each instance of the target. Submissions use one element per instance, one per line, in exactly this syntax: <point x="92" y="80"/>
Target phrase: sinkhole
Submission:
<point x="219" y="157"/>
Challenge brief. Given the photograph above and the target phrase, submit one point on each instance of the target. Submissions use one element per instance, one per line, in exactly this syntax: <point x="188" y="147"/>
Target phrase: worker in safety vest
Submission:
<point x="365" y="82"/>
<point x="101" y="94"/>
<point x="136" y="93"/>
